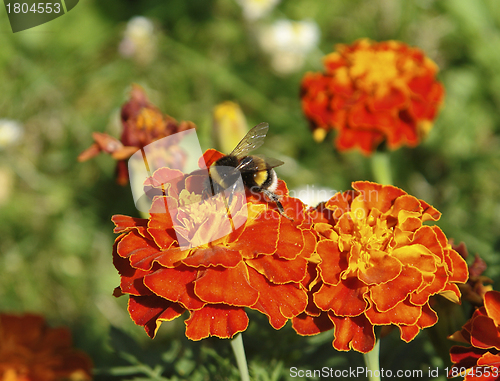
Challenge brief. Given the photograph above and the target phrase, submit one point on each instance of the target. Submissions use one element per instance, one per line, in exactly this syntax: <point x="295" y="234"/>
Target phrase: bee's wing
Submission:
<point x="259" y="165"/>
<point x="252" y="140"/>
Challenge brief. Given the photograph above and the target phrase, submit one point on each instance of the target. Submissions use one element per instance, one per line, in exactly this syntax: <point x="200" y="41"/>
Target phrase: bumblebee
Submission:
<point x="256" y="172"/>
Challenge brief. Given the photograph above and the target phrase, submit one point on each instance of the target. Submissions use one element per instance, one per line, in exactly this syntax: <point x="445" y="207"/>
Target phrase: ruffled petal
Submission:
<point x="492" y="306"/>
<point x="375" y="196"/>
<point x="403" y="313"/>
<point x="279" y="302"/>
<point x="344" y="299"/>
<point x="266" y="227"/>
<point x="353" y="333"/>
<point x="291" y="241"/>
<point x="278" y="270"/>
<point x="160" y="225"/>
<point x="131" y="279"/>
<point x="140" y="252"/>
<point x="332" y="263"/>
<point x="175" y="285"/>
<point x="408" y="332"/>
<point x="457" y="267"/>
<point x="489" y="359"/>
<point x="126" y="223"/>
<point x="382" y="268"/>
<point x="386" y="296"/>
<point x="306" y="325"/>
<point x="149" y="311"/>
<point x="213" y="256"/>
<point x="216" y="320"/>
<point x="230" y="286"/>
<point x="485" y="333"/>
<point x="465" y="357"/>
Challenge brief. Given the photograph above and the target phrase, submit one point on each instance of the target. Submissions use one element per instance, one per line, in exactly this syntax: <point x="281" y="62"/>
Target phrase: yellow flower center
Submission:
<point x="376" y="68"/>
<point x="149" y="120"/>
<point x="193" y="211"/>
<point x="377" y="71"/>
<point x="201" y="222"/>
<point x="370" y="235"/>
<point x="186" y="198"/>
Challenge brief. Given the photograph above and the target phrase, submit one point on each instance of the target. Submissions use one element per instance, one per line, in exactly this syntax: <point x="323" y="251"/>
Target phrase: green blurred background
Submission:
<point x="63" y="80"/>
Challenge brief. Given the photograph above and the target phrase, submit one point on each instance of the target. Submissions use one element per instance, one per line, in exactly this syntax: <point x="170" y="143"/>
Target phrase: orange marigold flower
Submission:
<point x="378" y="266"/>
<point x="31" y="351"/>
<point x="481" y="360"/>
<point x="143" y="123"/>
<point x="190" y="258"/>
<point x="371" y="92"/>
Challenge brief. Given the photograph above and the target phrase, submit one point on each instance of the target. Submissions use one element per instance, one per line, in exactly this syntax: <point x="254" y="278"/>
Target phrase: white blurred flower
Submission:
<point x="292" y="36"/>
<point x="10" y="132"/>
<point x="256" y="9"/>
<point x="288" y="43"/>
<point x="139" y="40"/>
<point x="312" y="195"/>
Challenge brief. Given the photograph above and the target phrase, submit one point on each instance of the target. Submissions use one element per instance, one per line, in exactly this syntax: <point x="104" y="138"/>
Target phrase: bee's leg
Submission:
<point x="232" y="189"/>
<point x="276" y="199"/>
<point x="210" y="188"/>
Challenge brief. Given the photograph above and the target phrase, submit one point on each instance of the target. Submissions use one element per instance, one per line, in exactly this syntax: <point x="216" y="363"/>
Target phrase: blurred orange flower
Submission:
<point x="143" y="123"/>
<point x="379" y="266"/>
<point x="475" y="288"/>
<point x="480" y="361"/>
<point x="31" y="351"/>
<point x="371" y="92"/>
<point x="190" y="258"/>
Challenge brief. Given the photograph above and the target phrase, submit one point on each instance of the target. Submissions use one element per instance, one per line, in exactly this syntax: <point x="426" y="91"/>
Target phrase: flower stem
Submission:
<point x="372" y="364"/>
<point x="239" y="353"/>
<point x="381" y="168"/>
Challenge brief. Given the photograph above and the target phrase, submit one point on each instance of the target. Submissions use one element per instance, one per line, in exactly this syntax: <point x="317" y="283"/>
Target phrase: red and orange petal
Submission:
<point x="372" y="92"/>
<point x="30" y="350"/>
<point x="260" y="265"/>
<point x="379" y="265"/>
<point x="353" y="333"/>
<point x="149" y="311"/>
<point x="218" y="320"/>
<point x="279" y="302"/>
<point x="307" y="325"/>
<point x="481" y="332"/>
